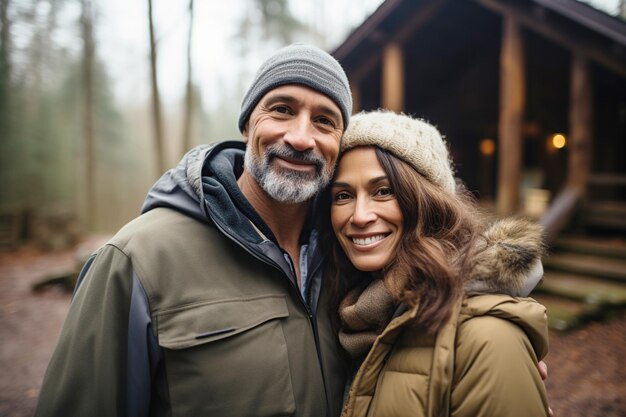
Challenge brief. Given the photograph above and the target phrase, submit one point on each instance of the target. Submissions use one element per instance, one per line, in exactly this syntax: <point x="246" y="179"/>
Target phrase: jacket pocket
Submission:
<point x="227" y="357"/>
<point x="197" y="324"/>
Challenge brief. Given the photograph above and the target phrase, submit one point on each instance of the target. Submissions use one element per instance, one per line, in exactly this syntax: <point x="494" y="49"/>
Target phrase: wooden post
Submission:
<point x="393" y="77"/>
<point x="512" y="98"/>
<point x="580" y="114"/>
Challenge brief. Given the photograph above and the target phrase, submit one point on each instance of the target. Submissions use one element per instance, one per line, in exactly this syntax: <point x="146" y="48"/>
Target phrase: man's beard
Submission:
<point x="285" y="185"/>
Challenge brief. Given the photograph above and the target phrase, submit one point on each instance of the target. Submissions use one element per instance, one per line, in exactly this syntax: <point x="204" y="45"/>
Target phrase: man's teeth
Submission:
<point x="368" y="240"/>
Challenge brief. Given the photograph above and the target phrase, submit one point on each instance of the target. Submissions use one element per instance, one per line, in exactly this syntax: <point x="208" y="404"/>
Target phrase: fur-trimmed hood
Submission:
<point x="508" y="259"/>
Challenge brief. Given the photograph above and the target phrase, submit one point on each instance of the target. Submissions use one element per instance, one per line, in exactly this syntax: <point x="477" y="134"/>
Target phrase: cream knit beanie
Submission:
<point x="414" y="141"/>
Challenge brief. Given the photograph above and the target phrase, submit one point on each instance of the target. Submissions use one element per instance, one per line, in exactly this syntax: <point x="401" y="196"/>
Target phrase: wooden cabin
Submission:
<point x="500" y="79"/>
<point x="530" y="95"/>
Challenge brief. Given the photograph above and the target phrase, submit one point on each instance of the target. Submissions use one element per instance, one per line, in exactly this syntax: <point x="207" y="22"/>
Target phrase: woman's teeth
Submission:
<point x="368" y="240"/>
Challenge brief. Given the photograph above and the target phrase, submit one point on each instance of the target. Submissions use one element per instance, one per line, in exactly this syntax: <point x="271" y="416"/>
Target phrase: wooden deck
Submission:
<point x="585" y="279"/>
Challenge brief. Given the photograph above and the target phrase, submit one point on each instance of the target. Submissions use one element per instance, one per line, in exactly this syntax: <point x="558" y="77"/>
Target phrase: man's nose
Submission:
<point x="299" y="134"/>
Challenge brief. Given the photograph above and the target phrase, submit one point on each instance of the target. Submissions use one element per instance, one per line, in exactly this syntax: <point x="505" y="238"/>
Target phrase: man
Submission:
<point x="210" y="302"/>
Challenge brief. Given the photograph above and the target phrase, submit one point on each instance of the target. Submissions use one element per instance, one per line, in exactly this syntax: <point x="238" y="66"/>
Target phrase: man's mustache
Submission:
<point x="287" y="152"/>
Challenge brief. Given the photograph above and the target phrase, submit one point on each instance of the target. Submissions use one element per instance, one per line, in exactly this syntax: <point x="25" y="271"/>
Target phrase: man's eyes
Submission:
<point x="326" y="121"/>
<point x="281" y="109"/>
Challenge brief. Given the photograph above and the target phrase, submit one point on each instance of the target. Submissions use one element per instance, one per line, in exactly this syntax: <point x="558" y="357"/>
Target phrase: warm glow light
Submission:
<point x="558" y="141"/>
<point x="487" y="147"/>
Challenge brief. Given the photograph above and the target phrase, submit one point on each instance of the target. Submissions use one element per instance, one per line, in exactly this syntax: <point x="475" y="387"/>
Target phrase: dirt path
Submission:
<point x="587" y="376"/>
<point x="29" y="326"/>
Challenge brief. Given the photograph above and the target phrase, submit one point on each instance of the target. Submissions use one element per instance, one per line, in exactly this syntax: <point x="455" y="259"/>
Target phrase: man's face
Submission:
<point x="293" y="140"/>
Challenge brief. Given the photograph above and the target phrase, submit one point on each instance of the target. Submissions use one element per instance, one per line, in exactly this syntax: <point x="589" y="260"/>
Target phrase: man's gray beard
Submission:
<point x="287" y="186"/>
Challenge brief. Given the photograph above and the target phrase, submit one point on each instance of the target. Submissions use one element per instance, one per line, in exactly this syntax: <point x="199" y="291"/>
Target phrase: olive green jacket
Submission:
<point x="193" y="312"/>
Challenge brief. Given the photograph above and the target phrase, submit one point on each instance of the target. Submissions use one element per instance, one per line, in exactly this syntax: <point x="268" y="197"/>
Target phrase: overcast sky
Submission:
<point x="123" y="40"/>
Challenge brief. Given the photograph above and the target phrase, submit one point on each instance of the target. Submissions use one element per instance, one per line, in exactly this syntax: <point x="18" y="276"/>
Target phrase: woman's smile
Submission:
<point x="368" y="241"/>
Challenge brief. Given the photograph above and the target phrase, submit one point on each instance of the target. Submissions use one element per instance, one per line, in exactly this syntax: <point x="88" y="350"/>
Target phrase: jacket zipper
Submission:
<point x="312" y="320"/>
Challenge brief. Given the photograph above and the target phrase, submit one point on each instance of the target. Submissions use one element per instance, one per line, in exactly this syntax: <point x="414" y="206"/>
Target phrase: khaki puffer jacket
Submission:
<point x="483" y="361"/>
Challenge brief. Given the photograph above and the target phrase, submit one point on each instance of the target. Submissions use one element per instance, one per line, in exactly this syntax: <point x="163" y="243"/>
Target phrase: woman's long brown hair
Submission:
<point x="432" y="256"/>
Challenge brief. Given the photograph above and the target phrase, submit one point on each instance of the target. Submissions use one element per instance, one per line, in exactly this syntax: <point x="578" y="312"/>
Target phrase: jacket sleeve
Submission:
<point x="496" y="372"/>
<point x="106" y="353"/>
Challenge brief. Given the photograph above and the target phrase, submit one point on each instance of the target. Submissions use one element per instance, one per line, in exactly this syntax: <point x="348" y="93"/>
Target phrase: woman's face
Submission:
<point x="364" y="212"/>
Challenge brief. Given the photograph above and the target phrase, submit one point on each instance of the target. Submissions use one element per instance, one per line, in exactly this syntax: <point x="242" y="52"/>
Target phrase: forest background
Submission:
<point x="99" y="97"/>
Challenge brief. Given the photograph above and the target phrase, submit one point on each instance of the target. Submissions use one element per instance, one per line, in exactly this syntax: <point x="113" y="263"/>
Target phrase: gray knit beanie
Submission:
<point x="414" y="141"/>
<point x="299" y="64"/>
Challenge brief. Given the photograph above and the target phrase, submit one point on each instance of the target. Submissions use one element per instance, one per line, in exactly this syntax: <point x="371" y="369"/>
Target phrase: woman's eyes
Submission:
<point x="379" y="192"/>
<point x="384" y="192"/>
<point x="342" y="196"/>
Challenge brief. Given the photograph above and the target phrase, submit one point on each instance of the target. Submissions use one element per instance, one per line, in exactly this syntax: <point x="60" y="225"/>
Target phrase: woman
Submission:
<point x="421" y="281"/>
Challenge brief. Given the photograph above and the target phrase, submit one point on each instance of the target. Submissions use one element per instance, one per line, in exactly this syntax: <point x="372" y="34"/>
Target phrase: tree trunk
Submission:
<point x="4" y="47"/>
<point x="8" y="186"/>
<point x="5" y="72"/>
<point x="88" y="116"/>
<point x="156" y="101"/>
<point x="187" y="122"/>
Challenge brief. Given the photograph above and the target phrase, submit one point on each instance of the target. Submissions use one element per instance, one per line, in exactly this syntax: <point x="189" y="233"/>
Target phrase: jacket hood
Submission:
<point x="508" y="259"/>
<point x="204" y="186"/>
<point x="524" y="312"/>
<point x="180" y="188"/>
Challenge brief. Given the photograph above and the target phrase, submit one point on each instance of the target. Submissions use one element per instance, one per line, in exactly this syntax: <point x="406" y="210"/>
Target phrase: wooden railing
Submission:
<point x="561" y="211"/>
<point x="567" y="202"/>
